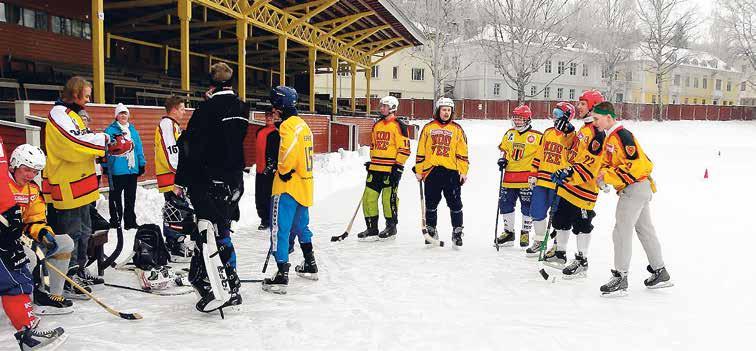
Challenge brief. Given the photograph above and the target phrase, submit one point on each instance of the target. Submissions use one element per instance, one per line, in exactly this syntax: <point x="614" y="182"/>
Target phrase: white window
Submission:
<point x="547" y="67"/>
<point x="629" y="76"/>
<point x="395" y="72"/>
<point x="695" y="101"/>
<point x="546" y="92"/>
<point x="604" y="73"/>
<point x="560" y="67"/>
<point x="703" y="101"/>
<point x="533" y="90"/>
<point x="560" y="92"/>
<point x="686" y="101"/>
<point x="705" y="83"/>
<point x="418" y="74"/>
<point x="676" y="80"/>
<point x="619" y="97"/>
<point x="743" y="86"/>
<point x="695" y="82"/>
<point x="729" y="85"/>
<point x="674" y="99"/>
<point x="718" y="85"/>
<point x="2" y="13"/>
<point x="585" y="70"/>
<point x="497" y="89"/>
<point x="687" y="82"/>
<point x="572" y="94"/>
<point x="374" y="72"/>
<point x="573" y="68"/>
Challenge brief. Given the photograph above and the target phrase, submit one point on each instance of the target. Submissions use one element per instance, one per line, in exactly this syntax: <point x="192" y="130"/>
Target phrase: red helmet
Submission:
<point x="592" y="98"/>
<point x="568" y="109"/>
<point x="120" y="146"/>
<point x="522" y="115"/>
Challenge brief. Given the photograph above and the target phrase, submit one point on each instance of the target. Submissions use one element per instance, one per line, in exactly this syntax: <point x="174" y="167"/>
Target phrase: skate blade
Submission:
<point x="531" y="255"/>
<point x="55" y="344"/>
<point x="667" y="284"/>
<point x="51" y="311"/>
<point x="310" y="276"/>
<point x="280" y="290"/>
<point x="613" y="294"/>
<point x="579" y="275"/>
<point x="368" y="239"/>
<point x="79" y="297"/>
<point x="393" y="237"/>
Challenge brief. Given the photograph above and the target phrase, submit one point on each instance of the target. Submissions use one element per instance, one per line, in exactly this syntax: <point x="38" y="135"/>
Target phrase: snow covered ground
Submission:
<point x="401" y="295"/>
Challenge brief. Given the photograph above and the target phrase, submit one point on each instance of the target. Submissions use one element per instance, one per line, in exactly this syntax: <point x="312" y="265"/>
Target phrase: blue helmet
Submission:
<point x="284" y="98"/>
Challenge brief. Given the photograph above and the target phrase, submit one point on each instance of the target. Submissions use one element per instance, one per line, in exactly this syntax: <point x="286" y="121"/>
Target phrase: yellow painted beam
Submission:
<point x="185" y="16"/>
<point x="107" y="45"/>
<point x="387" y="55"/>
<point x="257" y="5"/>
<point x="98" y="51"/>
<point x="136" y="3"/>
<point x="282" y="46"/>
<point x="241" y="70"/>
<point x="367" y="34"/>
<point x="353" y="68"/>
<point x="368" y="76"/>
<point x="379" y="43"/>
<point x="343" y="22"/>
<point x="334" y="77"/>
<point x="324" y="4"/>
<point x="356" y="33"/>
<point x="166" y="56"/>
<point x="168" y="27"/>
<point x="311" y="58"/>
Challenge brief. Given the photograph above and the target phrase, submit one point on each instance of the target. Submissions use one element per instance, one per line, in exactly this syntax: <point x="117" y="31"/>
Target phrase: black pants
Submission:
<point x="126" y="185"/>
<point x="443" y="181"/>
<point x="569" y="216"/>
<point x="263" y="190"/>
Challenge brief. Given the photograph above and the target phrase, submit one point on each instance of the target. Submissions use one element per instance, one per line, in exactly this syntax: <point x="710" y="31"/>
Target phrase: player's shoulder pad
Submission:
<point x="597" y="144"/>
<point x="628" y="143"/>
<point x="460" y="129"/>
<point x="535" y="131"/>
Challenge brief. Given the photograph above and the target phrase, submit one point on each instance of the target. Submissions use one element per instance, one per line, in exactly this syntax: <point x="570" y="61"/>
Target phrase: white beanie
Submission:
<point x="121" y="108"/>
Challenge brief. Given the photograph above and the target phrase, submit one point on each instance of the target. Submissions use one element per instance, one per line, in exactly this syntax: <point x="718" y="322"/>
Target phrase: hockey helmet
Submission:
<point x="29" y="156"/>
<point x="392" y="102"/>
<point x="591" y="98"/>
<point x="521" y="116"/>
<point x="285" y="99"/>
<point x="564" y="109"/>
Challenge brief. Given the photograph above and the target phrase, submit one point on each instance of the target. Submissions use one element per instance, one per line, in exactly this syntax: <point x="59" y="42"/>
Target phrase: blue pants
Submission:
<point x="541" y="202"/>
<point x="15" y="281"/>
<point x="508" y="197"/>
<point x="288" y="220"/>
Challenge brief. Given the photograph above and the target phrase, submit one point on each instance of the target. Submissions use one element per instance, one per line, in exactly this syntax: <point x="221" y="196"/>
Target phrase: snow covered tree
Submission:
<point x="520" y="36"/>
<point x="443" y="23"/>
<point x="664" y="24"/>
<point x="736" y="19"/>
<point x="612" y="31"/>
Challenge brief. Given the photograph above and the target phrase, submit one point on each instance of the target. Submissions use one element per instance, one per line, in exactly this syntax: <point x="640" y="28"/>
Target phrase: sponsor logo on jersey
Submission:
<point x="630" y="150"/>
<point x="610" y="147"/>
<point x="531" y="139"/>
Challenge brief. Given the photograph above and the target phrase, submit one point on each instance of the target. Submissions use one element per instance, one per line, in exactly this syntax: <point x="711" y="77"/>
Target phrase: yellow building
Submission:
<point x="702" y="79"/>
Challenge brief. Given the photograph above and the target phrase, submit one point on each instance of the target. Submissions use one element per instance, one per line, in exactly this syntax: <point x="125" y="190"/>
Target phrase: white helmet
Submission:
<point x="29" y="156"/>
<point x="156" y="278"/>
<point x="391" y="101"/>
<point x="444" y="102"/>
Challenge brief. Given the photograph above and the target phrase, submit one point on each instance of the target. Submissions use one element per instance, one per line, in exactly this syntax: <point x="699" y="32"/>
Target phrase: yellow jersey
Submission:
<point x="624" y="160"/>
<point x="69" y="179"/>
<point x="33" y="207"/>
<point x="295" y="155"/>
<point x="442" y="145"/>
<point x="166" y="153"/>
<point x="581" y="189"/>
<point x="389" y="144"/>
<point x="552" y="154"/>
<point x="519" y="149"/>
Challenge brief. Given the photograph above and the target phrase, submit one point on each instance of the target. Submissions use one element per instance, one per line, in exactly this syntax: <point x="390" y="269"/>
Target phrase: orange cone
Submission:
<point x="706" y="174"/>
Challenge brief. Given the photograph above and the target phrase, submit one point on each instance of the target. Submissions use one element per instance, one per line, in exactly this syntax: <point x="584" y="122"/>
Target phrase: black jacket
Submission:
<point x="212" y="146"/>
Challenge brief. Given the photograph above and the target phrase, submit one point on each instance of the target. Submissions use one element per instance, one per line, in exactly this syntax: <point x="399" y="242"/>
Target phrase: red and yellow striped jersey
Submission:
<point x="624" y="160"/>
<point x="389" y="144"/>
<point x="581" y="188"/>
<point x="443" y="145"/>
<point x="551" y="155"/>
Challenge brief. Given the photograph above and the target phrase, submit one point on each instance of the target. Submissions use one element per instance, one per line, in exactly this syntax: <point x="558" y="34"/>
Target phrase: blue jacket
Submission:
<point x="120" y="165"/>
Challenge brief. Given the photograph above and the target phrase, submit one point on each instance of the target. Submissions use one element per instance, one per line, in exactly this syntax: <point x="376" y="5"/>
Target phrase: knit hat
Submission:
<point x="121" y="108"/>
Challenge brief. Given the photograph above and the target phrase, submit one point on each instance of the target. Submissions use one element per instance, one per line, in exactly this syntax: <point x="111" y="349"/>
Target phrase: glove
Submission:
<point x="502" y="163"/>
<point x="563" y="125"/>
<point x="532" y="182"/>
<point x="47" y="239"/>
<point x="10" y="225"/>
<point x="367" y="166"/>
<point x="102" y="160"/>
<point x="396" y="174"/>
<point x="559" y="176"/>
<point x="119" y="146"/>
<point x="223" y="193"/>
<point x="13" y="256"/>
<point x="141" y="170"/>
<point x="286" y="177"/>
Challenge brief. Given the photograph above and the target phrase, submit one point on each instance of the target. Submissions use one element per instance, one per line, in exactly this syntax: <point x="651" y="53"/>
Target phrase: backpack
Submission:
<point x="149" y="248"/>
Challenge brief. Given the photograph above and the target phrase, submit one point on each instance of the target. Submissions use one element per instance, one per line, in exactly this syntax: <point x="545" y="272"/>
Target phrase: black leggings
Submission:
<point x="443" y="181"/>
